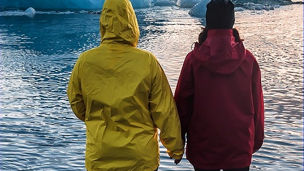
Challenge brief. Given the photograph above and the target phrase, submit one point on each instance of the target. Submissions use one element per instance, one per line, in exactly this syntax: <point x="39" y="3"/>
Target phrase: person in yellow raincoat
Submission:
<point x="123" y="96"/>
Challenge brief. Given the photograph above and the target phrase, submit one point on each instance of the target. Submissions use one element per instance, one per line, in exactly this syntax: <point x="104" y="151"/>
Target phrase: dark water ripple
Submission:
<point x="38" y="130"/>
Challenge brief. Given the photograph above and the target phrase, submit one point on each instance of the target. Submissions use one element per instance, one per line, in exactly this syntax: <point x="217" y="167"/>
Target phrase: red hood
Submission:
<point x="219" y="52"/>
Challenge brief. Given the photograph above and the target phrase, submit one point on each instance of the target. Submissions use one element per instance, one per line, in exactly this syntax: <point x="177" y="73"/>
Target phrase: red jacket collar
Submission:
<point x="220" y="32"/>
<point x="219" y="52"/>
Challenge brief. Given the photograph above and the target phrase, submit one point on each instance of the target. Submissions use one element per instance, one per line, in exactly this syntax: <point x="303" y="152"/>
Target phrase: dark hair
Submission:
<point x="203" y="35"/>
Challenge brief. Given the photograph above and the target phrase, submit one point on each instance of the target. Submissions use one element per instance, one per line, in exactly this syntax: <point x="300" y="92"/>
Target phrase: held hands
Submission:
<point x="176" y="161"/>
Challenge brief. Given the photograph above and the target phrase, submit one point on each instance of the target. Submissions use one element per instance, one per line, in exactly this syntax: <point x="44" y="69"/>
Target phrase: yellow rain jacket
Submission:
<point x="123" y="96"/>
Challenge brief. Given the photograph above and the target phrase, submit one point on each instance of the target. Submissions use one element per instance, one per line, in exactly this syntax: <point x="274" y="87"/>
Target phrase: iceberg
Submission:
<point x="200" y="9"/>
<point x="64" y="4"/>
<point x="30" y="12"/>
<point x="186" y="3"/>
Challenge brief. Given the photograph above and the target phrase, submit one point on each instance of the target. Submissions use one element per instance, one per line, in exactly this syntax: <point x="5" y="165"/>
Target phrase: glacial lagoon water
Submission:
<point x="38" y="130"/>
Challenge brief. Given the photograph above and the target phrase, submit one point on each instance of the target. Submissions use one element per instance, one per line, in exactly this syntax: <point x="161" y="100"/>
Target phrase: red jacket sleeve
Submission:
<point x="258" y="103"/>
<point x="184" y="95"/>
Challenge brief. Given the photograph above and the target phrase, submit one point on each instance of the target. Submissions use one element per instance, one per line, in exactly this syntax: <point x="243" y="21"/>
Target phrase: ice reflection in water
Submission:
<point x="38" y="130"/>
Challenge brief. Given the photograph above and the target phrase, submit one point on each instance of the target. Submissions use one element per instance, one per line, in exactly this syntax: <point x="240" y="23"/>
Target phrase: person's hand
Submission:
<point x="176" y="161"/>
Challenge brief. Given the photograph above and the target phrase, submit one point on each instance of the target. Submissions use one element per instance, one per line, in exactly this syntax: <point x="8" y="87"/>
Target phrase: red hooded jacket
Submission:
<point x="220" y="103"/>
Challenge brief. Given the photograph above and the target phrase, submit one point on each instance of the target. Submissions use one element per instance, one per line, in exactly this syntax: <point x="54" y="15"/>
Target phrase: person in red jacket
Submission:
<point x="219" y="96"/>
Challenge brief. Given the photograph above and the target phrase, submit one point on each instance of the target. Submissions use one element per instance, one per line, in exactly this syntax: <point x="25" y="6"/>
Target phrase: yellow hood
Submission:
<point x="118" y="22"/>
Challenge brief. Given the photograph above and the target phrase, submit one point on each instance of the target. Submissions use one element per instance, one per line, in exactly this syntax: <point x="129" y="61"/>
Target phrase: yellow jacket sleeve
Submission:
<point x="74" y="93"/>
<point x="164" y="112"/>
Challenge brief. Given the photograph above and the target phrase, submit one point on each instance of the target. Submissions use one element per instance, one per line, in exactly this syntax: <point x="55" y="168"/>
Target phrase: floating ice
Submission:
<point x="186" y="3"/>
<point x="30" y="12"/>
<point x="12" y="13"/>
<point x="253" y="6"/>
<point x="94" y="5"/>
<point x="23" y="13"/>
<point x="199" y="10"/>
<point x="239" y="9"/>
<point x="64" y="4"/>
<point x="52" y="4"/>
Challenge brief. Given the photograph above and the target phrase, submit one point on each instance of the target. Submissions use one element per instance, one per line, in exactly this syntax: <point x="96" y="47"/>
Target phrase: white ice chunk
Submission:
<point x="186" y="3"/>
<point x="200" y="9"/>
<point x="30" y="12"/>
